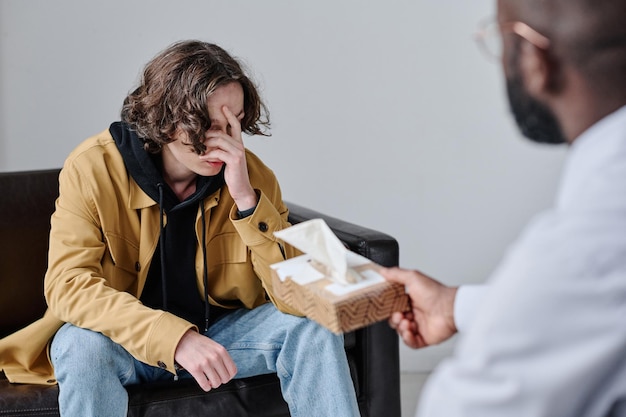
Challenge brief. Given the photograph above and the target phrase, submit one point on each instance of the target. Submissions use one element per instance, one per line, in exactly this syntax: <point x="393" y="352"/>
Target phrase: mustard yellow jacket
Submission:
<point x="104" y="232"/>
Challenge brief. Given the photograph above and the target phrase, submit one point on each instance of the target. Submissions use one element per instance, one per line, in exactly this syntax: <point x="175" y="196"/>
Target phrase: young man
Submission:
<point x="548" y="337"/>
<point x="160" y="249"/>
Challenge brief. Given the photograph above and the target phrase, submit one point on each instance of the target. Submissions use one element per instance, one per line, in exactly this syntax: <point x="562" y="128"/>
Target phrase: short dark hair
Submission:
<point x="588" y="34"/>
<point x="173" y="93"/>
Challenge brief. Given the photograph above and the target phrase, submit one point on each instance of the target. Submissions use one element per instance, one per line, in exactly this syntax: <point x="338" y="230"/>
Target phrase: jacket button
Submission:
<point x="263" y="227"/>
<point x="137" y="266"/>
<point x="51" y="381"/>
<point x="162" y="365"/>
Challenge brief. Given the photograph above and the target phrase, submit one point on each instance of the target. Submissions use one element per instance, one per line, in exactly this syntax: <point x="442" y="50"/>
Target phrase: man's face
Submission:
<point x="535" y="120"/>
<point x="179" y="158"/>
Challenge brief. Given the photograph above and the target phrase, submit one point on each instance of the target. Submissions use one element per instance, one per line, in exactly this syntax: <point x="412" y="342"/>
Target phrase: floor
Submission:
<point x="410" y="387"/>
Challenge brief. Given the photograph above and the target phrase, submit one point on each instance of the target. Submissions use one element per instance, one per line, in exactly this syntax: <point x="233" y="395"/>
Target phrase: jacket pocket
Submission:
<point x="226" y="248"/>
<point x="123" y="267"/>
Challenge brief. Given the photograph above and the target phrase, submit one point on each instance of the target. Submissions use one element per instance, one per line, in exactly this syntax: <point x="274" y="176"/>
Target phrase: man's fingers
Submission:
<point x="226" y="371"/>
<point x="231" y="368"/>
<point x="213" y="376"/>
<point x="235" y="125"/>
<point x="202" y="380"/>
<point x="396" y="275"/>
<point x="395" y="319"/>
<point x="412" y="340"/>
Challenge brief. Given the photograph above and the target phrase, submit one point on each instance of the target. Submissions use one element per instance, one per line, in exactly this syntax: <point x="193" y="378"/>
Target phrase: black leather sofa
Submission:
<point x="26" y="203"/>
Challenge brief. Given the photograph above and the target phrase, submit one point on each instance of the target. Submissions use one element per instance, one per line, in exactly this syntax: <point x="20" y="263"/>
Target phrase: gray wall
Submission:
<point x="384" y="112"/>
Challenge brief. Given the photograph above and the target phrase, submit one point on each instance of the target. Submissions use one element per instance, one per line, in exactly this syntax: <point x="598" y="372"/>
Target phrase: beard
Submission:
<point x="535" y="120"/>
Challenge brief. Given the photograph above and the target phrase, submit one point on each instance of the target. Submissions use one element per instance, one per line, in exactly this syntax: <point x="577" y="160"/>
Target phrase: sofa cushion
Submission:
<point x="255" y="397"/>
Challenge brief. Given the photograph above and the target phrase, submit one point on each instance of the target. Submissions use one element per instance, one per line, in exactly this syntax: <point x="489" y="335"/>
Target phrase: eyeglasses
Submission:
<point x="489" y="36"/>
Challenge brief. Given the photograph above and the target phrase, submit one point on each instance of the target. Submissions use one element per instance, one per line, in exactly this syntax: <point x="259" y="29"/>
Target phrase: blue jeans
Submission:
<point x="310" y="361"/>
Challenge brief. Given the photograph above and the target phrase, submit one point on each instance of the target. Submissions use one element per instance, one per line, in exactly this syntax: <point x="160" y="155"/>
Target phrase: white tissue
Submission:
<point x="316" y="239"/>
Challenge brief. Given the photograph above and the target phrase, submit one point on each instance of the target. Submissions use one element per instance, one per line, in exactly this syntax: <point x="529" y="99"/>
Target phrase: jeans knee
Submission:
<point x="316" y="336"/>
<point x="75" y="349"/>
<point x="322" y="332"/>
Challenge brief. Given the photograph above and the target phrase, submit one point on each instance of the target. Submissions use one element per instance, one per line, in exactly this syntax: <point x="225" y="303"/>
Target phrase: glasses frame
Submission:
<point x="521" y="29"/>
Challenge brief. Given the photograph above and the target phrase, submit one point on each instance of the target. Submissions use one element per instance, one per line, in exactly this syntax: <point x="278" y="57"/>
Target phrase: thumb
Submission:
<point x="396" y="275"/>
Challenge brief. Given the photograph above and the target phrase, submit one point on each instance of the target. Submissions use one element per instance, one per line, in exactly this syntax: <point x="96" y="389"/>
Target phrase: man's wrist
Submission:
<point x="246" y="203"/>
<point x="450" y="295"/>
<point x="467" y="301"/>
<point x="242" y="214"/>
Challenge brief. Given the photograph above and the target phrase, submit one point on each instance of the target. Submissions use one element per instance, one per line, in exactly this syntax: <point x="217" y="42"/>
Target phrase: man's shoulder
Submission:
<point x="95" y="151"/>
<point x="97" y="164"/>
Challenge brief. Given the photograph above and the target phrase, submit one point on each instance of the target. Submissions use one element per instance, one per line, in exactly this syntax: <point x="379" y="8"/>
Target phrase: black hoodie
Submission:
<point x="171" y="283"/>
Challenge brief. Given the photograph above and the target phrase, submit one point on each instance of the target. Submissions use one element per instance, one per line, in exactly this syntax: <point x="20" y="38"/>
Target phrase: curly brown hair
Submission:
<point x="173" y="93"/>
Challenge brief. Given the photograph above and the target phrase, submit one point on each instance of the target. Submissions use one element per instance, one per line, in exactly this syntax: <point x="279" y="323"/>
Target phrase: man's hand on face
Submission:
<point x="227" y="146"/>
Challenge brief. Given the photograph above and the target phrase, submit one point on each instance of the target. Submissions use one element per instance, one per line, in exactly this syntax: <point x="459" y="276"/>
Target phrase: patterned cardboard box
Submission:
<point x="339" y="309"/>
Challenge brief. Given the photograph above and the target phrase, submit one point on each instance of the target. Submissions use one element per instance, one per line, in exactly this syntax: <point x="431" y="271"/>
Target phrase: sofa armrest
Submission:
<point x="374" y="245"/>
<point x="375" y="348"/>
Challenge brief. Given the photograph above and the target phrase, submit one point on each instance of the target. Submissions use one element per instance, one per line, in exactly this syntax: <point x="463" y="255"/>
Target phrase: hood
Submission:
<point x="147" y="170"/>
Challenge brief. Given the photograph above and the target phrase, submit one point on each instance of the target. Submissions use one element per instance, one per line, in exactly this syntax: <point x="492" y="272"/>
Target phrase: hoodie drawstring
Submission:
<point x="205" y="277"/>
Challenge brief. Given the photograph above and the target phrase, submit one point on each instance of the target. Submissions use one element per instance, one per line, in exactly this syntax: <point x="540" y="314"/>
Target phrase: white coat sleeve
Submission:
<point x="468" y="299"/>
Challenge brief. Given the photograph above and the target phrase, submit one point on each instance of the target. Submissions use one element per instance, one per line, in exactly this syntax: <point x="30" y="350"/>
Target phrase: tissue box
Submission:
<point x="339" y="308"/>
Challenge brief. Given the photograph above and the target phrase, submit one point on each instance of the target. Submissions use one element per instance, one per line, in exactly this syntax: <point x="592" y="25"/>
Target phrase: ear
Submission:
<point x="538" y="70"/>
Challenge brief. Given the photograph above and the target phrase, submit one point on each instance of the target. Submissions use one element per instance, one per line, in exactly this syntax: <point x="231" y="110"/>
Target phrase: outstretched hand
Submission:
<point x="431" y="318"/>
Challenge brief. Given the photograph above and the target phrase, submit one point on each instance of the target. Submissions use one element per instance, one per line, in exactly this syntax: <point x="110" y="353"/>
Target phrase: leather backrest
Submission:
<point x="26" y="204"/>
